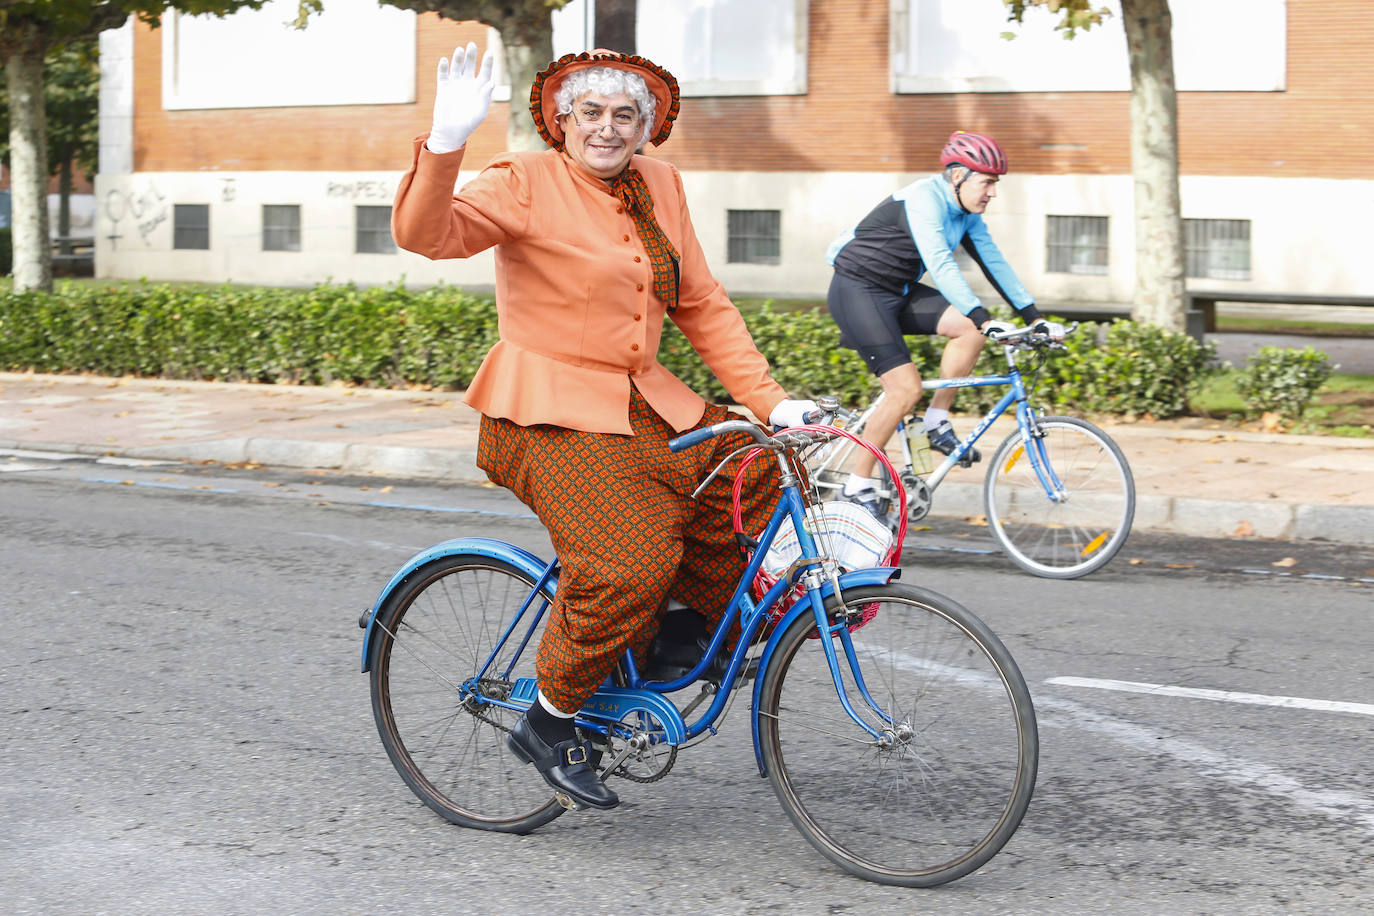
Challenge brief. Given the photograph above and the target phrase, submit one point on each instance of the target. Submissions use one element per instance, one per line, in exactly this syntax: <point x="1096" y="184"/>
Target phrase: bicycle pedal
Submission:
<point x="566" y="801"/>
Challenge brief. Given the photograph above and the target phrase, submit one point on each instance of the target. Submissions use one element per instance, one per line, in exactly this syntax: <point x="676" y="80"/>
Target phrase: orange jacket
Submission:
<point x="577" y="316"/>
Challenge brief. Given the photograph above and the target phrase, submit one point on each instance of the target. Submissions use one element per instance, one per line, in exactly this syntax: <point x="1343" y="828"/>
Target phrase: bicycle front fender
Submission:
<point x="518" y="557"/>
<point x="877" y="575"/>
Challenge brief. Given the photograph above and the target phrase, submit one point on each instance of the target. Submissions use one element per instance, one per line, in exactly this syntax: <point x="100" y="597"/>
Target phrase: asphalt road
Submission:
<point x="187" y="730"/>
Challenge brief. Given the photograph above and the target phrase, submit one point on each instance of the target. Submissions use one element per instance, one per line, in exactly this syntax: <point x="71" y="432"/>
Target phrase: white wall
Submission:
<point x="1307" y="235"/>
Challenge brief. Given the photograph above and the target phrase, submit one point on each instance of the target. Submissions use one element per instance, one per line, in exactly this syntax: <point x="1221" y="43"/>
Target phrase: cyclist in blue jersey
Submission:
<point x="875" y="298"/>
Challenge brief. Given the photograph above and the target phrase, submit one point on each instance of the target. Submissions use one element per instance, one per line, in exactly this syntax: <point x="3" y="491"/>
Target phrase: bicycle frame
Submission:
<point x="1025" y="420"/>
<point x="612" y="704"/>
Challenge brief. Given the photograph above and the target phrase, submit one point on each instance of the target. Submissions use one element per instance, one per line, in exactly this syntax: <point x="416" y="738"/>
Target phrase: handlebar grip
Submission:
<point x="695" y="437"/>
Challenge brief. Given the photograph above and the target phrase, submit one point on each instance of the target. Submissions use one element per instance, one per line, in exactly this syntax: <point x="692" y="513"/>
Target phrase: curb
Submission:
<point x="1209" y="518"/>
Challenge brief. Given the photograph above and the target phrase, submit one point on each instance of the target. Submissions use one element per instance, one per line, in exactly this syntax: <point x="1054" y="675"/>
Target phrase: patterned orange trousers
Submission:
<point x="628" y="534"/>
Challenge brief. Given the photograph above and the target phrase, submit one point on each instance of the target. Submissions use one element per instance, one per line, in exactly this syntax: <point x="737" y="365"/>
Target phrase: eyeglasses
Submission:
<point x="622" y="122"/>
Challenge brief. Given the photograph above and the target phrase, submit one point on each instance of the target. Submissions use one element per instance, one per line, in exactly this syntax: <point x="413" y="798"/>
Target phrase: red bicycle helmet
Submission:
<point x="974" y="151"/>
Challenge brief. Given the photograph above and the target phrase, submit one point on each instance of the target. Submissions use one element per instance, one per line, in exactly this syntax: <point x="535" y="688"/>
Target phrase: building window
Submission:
<point x="755" y="236"/>
<point x="281" y="227"/>
<point x="374" y="230"/>
<point x="1218" y="248"/>
<point x="191" y="226"/>
<point x="1077" y="245"/>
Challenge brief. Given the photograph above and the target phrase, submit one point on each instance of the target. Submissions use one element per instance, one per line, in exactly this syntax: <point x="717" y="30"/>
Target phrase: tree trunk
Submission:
<point x="1159" y="263"/>
<point x="29" y="169"/>
<point x="525" y="56"/>
<point x="64" y="201"/>
<point x="615" y="25"/>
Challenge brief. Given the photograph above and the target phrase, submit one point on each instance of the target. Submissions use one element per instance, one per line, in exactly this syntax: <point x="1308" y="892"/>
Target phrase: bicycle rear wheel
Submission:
<point x="433" y="634"/>
<point x="948" y="785"/>
<point x="1077" y="534"/>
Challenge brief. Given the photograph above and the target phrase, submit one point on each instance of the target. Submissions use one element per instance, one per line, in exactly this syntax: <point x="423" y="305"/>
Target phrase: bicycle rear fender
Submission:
<point x="877" y="575"/>
<point x="518" y="557"/>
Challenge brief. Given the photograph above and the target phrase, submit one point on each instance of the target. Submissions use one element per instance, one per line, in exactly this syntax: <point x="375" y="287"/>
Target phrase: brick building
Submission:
<point x="238" y="150"/>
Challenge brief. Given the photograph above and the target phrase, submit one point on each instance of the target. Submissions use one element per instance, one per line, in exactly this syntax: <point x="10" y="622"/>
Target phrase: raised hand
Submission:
<point x="461" y="99"/>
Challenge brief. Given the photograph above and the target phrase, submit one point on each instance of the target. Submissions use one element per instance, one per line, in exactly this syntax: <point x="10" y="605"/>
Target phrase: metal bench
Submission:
<point x="1206" y="302"/>
<point x="1194" y="320"/>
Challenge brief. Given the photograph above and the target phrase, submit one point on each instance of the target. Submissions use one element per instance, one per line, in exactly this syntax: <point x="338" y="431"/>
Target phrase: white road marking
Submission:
<point x="1224" y="696"/>
<point x="1246" y="775"/>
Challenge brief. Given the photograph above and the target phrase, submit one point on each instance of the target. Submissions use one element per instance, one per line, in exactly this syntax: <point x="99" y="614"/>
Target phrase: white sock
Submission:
<point x="934" y="416"/>
<point x="855" y="483"/>
<point x="552" y="709"/>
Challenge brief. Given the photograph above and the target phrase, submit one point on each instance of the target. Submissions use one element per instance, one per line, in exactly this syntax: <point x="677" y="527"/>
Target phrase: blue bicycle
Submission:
<point x="895" y="728"/>
<point x="1058" y="493"/>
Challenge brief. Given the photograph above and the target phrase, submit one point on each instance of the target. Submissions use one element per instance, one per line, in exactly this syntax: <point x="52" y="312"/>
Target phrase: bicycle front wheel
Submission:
<point x="946" y="783"/>
<point x="433" y="635"/>
<point x="1061" y="505"/>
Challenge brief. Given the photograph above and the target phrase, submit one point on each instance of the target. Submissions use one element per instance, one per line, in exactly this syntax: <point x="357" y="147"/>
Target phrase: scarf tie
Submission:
<point x="630" y="188"/>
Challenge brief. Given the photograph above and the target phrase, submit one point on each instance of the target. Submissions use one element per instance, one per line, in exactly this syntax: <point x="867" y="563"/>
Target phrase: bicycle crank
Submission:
<point x="637" y="749"/>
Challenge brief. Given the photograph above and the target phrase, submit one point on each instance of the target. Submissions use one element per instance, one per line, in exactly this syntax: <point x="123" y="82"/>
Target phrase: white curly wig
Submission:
<point x="608" y="81"/>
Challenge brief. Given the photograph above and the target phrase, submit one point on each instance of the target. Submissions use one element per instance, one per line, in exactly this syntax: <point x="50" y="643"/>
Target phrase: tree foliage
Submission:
<point x="1073" y="14"/>
<point x="31" y="30"/>
<point x="71" y="98"/>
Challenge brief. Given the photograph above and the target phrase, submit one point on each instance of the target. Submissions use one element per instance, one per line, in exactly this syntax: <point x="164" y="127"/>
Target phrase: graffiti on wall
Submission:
<point x="134" y="210"/>
<point x="361" y="190"/>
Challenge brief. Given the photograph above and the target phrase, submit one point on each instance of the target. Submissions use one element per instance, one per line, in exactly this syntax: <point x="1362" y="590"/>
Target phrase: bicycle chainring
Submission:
<point x="650" y="759"/>
<point x="917" y="496"/>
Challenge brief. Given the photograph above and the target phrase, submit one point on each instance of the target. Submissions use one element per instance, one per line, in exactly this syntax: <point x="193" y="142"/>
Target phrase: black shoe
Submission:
<point x="567" y="766"/>
<point x="943" y="440"/>
<point x="876" y="503"/>
<point x="680" y="643"/>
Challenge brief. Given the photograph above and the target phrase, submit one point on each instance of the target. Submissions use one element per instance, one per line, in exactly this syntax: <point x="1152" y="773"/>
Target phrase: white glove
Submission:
<point x="791" y="413"/>
<point x="1051" y="329"/>
<point x="461" y="99"/>
<point x="995" y="329"/>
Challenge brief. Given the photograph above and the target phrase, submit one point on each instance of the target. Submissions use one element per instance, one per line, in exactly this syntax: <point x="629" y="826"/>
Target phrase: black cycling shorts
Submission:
<point x="873" y="320"/>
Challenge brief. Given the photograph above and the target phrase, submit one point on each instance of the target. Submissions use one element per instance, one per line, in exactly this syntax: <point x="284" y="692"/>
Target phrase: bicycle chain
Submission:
<point x="618" y="771"/>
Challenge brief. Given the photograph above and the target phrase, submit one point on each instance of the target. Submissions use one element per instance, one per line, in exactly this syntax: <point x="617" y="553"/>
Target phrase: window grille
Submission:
<point x="281" y="227"/>
<point x="1217" y="248"/>
<point x="191" y="226"/>
<point x="754" y="236"/>
<point x="1077" y="245"/>
<point x="373" y="230"/>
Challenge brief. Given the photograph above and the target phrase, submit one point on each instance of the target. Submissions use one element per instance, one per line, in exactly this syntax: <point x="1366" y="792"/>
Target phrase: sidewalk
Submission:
<point x="1209" y="483"/>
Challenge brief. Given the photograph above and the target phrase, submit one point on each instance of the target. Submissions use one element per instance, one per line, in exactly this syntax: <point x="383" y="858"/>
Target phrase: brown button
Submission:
<point x="627" y="238"/>
<point x="640" y="287"/>
<point x="637" y="259"/>
<point x="634" y="346"/>
<point x="638" y="316"/>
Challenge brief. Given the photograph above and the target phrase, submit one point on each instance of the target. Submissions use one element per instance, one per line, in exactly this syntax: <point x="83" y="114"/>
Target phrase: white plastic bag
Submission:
<point x="847" y="531"/>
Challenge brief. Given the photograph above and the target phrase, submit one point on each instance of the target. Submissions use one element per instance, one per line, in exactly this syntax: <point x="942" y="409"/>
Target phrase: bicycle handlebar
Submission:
<point x="786" y="440"/>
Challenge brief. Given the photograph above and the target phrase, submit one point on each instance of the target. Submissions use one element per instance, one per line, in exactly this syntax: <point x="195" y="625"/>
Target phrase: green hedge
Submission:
<point x="393" y="337"/>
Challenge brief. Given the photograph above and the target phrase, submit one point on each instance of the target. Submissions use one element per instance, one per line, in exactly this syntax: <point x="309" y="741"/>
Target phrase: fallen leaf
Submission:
<point x="1243" y="530"/>
<point x="980" y="520"/>
<point x="1212" y="460"/>
<point x="1180" y="566"/>
<point x="270" y="483"/>
<point x="1286" y="561"/>
<point x="1243" y="459"/>
<point x="388" y="488"/>
<point x="1271" y="421"/>
<point x="1136" y="561"/>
